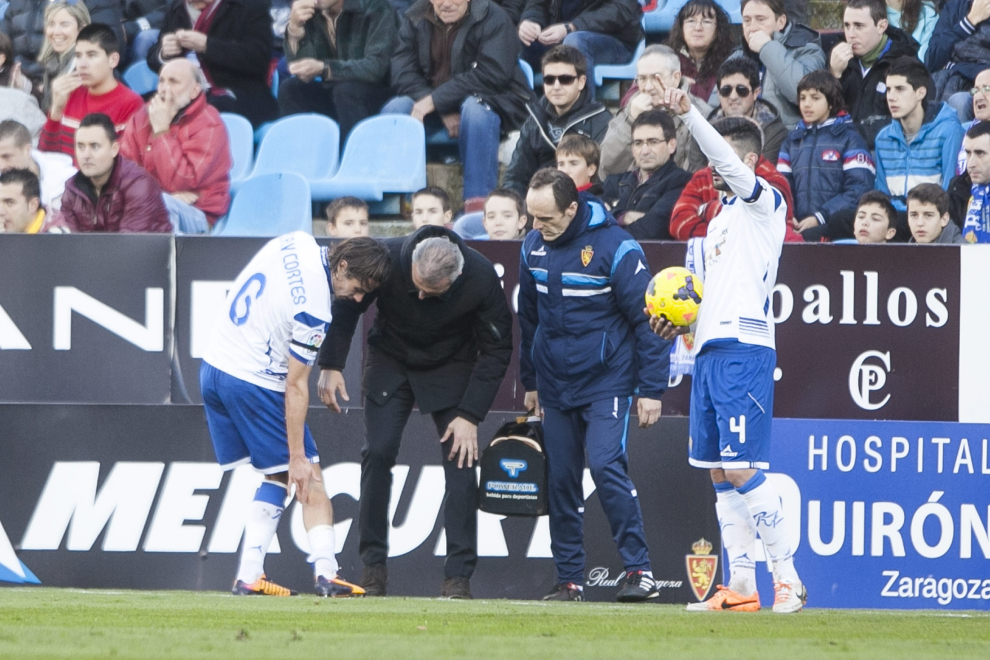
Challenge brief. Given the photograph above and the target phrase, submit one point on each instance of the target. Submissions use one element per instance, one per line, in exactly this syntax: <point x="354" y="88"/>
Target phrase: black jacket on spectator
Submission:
<point x="24" y="23"/>
<point x="484" y="62"/>
<point x="538" y="139"/>
<point x="960" y="191"/>
<point x="621" y="19"/>
<point x="152" y="11"/>
<point x="865" y="102"/>
<point x="454" y="349"/>
<point x="238" y="54"/>
<point x="949" y="31"/>
<point x="513" y="8"/>
<point x="655" y="198"/>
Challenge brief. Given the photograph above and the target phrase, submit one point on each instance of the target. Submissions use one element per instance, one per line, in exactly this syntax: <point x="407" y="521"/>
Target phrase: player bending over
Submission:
<point x="255" y="384"/>
<point x="732" y="388"/>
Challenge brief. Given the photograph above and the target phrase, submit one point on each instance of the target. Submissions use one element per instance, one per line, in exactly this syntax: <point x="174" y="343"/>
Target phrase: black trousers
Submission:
<point x="383" y="433"/>
<point x="345" y="101"/>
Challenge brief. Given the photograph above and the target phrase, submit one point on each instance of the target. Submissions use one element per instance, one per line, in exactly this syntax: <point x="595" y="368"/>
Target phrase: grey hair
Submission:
<point x="670" y="58"/>
<point x="439" y="260"/>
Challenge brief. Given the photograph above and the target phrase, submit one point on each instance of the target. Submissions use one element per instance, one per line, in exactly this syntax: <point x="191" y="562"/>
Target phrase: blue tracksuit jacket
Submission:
<point x="584" y="336"/>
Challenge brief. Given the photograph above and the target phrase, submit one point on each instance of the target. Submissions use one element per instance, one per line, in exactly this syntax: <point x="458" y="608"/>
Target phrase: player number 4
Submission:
<point x="739" y="428"/>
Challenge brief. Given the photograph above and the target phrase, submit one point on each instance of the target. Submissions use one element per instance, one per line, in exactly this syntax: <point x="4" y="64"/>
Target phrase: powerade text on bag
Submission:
<point x="514" y="470"/>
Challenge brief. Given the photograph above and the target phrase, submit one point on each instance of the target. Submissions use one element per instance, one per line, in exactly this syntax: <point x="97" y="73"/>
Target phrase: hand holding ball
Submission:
<point x="675" y="294"/>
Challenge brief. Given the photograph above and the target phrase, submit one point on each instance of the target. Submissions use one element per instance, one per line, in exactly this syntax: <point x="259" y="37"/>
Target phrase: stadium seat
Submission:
<point x="619" y="71"/>
<point x="528" y="70"/>
<point x="384" y="154"/>
<point x="661" y="19"/>
<point x="241" y="137"/>
<point x="307" y="144"/>
<point x="140" y="78"/>
<point x="471" y="226"/>
<point x="845" y="241"/>
<point x="269" y="205"/>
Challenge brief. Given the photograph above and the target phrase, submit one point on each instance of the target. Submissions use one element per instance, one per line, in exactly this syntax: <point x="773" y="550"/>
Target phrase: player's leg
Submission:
<point x="607" y="428"/>
<point x="738" y="531"/>
<point x="745" y="413"/>
<point x="562" y="430"/>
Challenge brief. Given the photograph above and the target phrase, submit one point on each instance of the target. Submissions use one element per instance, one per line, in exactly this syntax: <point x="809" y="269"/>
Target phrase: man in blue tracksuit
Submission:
<point x="586" y="348"/>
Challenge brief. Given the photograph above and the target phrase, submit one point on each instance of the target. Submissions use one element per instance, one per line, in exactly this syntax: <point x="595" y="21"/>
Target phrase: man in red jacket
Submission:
<point x="89" y="89"/>
<point x="110" y="193"/>
<point x="181" y="141"/>
<point x="700" y="202"/>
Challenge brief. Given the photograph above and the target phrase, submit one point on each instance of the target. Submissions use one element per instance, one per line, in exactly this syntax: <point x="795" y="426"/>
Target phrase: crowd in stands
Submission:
<point x="884" y="136"/>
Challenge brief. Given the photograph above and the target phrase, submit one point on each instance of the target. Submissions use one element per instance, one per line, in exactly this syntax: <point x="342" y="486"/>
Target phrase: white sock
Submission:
<point x="768" y="515"/>
<point x="260" y="530"/>
<point x="738" y="538"/>
<point x="322" y="555"/>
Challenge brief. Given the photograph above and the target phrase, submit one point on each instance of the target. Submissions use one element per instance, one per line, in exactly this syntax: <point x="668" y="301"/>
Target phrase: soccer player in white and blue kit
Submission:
<point x="732" y="387"/>
<point x="255" y="384"/>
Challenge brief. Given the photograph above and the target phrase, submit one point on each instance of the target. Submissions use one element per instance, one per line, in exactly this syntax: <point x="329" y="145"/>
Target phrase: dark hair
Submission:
<point x="776" y="6"/>
<point x="563" y="54"/>
<point x="910" y="15"/>
<point x="435" y="191"/>
<point x="508" y="193"/>
<point x="978" y="129"/>
<point x="825" y="83"/>
<point x="368" y="260"/>
<point x="881" y="200"/>
<point x="878" y="8"/>
<point x="101" y="120"/>
<point x="659" y="118"/>
<point x="101" y="35"/>
<point x="7" y="50"/>
<point x="741" y="131"/>
<point x="16" y="130"/>
<point x="565" y="192"/>
<point x="722" y="43"/>
<point x="30" y="186"/>
<point x="338" y="205"/>
<point x="930" y="193"/>
<point x="585" y="147"/>
<point x="742" y="65"/>
<point x="915" y="73"/>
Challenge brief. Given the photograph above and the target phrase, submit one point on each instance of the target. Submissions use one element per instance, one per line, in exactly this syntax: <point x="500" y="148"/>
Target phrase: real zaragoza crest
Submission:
<point x="701" y="568"/>
<point x="586" y="254"/>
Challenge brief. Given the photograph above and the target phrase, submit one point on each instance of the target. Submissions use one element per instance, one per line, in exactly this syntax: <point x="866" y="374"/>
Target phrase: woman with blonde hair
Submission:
<point x="63" y="21"/>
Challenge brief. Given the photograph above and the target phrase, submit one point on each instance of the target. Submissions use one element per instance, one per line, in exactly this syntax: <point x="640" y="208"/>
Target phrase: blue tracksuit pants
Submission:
<point x="601" y="429"/>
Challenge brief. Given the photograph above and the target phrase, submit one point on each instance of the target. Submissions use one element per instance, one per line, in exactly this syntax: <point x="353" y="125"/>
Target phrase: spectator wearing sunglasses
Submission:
<point x="566" y="109"/>
<point x="784" y="52"/>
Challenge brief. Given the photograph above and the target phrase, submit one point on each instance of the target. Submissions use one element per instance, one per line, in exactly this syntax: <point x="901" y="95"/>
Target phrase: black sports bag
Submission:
<point x="514" y="470"/>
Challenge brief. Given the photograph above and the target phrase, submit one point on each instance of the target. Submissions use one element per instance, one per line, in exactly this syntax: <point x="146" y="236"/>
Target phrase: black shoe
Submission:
<point x="456" y="588"/>
<point x="637" y="587"/>
<point x="565" y="591"/>
<point x="374" y="579"/>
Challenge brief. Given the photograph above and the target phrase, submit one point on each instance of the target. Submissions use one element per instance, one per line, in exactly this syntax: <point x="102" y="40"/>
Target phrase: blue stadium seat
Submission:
<point x="528" y="70"/>
<point x="661" y="19"/>
<point x="241" y="137"/>
<point x="140" y="78"/>
<point x="471" y="226"/>
<point x="619" y="71"/>
<point x="845" y="241"/>
<point x="269" y="205"/>
<point x="307" y="144"/>
<point x="384" y="154"/>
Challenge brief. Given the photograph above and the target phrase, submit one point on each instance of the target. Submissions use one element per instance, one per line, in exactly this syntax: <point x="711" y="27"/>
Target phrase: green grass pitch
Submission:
<point x="68" y="623"/>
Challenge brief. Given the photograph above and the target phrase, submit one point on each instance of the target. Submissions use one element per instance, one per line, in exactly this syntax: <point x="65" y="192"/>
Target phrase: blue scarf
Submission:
<point x="976" y="228"/>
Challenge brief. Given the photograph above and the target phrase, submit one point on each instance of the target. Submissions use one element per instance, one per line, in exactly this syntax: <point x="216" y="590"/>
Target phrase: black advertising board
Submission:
<point x="131" y="497"/>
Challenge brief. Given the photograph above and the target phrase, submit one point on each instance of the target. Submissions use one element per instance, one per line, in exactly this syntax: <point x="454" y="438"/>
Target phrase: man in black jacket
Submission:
<point x="643" y="199"/>
<point x="862" y="60"/>
<point x="442" y="339"/>
<point x="232" y="40"/>
<point x="566" y="109"/>
<point x="605" y="31"/>
<point x="458" y="59"/>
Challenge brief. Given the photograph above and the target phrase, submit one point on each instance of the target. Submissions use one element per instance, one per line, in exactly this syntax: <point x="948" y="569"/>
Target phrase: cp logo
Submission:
<point x="864" y="379"/>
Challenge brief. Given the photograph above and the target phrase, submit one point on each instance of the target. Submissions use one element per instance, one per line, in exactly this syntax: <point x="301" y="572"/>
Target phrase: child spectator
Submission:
<point x="578" y="157"/>
<point x="431" y="206"/>
<point x="876" y="219"/>
<point x="90" y="89"/>
<point x="505" y="215"/>
<point x="347" y="217"/>
<point x="922" y="143"/>
<point x="928" y="216"/>
<point x="825" y="160"/>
